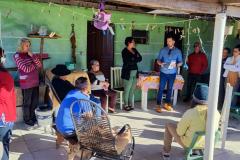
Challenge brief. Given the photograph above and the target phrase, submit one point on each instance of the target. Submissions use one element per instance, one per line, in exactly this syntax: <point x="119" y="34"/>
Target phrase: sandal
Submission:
<point x="131" y="107"/>
<point x="110" y="110"/>
<point x="127" y="108"/>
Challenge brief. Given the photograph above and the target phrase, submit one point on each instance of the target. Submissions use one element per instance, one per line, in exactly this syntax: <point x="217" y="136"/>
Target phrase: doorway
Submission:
<point x="100" y="46"/>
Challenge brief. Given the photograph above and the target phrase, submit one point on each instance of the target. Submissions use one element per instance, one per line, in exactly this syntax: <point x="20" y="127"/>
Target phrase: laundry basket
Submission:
<point x="44" y="115"/>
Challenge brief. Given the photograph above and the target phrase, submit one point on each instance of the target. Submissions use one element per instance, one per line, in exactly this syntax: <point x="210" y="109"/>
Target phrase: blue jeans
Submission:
<point x="5" y="136"/>
<point x="169" y="80"/>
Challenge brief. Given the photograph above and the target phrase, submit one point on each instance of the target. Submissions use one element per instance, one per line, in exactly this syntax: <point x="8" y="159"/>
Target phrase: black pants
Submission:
<point x="30" y="102"/>
<point x="193" y="79"/>
<point x="222" y="88"/>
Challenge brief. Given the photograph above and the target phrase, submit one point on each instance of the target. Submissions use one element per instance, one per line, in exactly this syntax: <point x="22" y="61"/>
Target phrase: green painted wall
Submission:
<point x="18" y="15"/>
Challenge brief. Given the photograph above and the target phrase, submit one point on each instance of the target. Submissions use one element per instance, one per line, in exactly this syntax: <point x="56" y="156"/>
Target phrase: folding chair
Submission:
<point x="94" y="132"/>
<point x="117" y="83"/>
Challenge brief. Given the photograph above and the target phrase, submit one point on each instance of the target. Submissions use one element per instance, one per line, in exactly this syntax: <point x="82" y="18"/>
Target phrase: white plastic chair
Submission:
<point x="117" y="83"/>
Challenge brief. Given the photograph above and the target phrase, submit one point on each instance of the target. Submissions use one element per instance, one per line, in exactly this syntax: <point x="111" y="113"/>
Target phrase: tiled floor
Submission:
<point x="148" y="128"/>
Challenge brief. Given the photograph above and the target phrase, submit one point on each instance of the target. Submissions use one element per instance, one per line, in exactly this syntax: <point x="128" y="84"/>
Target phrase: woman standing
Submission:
<point x="28" y="67"/>
<point x="130" y="57"/>
<point x="7" y="107"/>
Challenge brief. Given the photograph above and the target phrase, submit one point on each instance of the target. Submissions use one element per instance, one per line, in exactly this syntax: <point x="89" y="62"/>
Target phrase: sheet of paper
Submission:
<point x="172" y="65"/>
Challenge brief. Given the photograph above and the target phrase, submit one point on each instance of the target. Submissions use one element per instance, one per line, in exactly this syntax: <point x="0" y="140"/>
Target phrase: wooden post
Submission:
<point x="41" y="74"/>
<point x="41" y="50"/>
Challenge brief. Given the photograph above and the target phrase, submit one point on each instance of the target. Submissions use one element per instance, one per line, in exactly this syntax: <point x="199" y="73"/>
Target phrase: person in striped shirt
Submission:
<point x="28" y="66"/>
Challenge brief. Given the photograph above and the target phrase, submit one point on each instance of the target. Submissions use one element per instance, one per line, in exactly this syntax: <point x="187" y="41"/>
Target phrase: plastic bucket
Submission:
<point x="44" y="115"/>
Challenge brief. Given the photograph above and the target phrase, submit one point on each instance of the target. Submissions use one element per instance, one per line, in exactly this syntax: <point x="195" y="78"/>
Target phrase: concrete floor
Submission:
<point x="148" y="129"/>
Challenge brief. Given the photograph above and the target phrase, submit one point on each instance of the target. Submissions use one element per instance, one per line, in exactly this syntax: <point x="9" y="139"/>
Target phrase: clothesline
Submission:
<point x="74" y="13"/>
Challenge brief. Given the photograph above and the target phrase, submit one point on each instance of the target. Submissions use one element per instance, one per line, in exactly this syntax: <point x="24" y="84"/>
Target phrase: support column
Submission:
<point x="216" y="60"/>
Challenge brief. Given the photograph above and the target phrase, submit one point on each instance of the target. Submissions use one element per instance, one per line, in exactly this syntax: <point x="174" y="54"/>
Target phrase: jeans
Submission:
<point x="169" y="80"/>
<point x="30" y="102"/>
<point x="5" y="135"/>
<point x="129" y="88"/>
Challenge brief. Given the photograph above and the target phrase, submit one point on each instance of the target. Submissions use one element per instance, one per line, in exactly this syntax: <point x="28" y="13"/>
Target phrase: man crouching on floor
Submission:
<point x="193" y="120"/>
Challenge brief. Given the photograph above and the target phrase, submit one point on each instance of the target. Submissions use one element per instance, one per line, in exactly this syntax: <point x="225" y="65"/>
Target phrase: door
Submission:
<point x="100" y="46"/>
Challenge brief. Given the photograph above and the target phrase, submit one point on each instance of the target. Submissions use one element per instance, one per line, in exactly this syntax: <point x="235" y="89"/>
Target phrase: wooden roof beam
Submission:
<point x="186" y="6"/>
<point x="183" y="5"/>
<point x="95" y="5"/>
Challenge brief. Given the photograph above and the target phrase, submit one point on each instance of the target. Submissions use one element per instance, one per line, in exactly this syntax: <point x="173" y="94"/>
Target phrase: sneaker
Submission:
<point x="168" y="107"/>
<point x="158" y="109"/>
<point x="165" y="156"/>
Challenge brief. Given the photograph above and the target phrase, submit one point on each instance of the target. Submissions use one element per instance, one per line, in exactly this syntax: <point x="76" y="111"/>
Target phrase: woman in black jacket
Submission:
<point x="130" y="57"/>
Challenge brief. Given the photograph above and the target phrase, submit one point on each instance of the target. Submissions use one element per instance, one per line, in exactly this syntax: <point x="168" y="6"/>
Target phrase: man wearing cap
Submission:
<point x="197" y="65"/>
<point x="193" y="120"/>
<point x="169" y="58"/>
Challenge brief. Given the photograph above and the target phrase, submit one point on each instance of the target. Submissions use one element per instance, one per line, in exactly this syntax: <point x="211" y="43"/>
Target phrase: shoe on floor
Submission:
<point x="110" y="110"/>
<point x="127" y="108"/>
<point x="131" y="107"/>
<point x="165" y="156"/>
<point x="168" y="107"/>
<point x="158" y="109"/>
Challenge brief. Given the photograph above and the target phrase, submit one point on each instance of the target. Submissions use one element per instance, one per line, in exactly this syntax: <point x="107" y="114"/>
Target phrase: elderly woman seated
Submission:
<point x="193" y="120"/>
<point x="100" y="87"/>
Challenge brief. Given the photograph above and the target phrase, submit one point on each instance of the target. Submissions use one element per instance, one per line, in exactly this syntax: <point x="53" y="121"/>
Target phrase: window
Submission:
<point x="140" y="36"/>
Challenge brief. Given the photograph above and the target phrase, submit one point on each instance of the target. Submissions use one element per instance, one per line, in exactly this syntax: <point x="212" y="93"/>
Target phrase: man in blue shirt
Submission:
<point x="169" y="58"/>
<point x="64" y="121"/>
